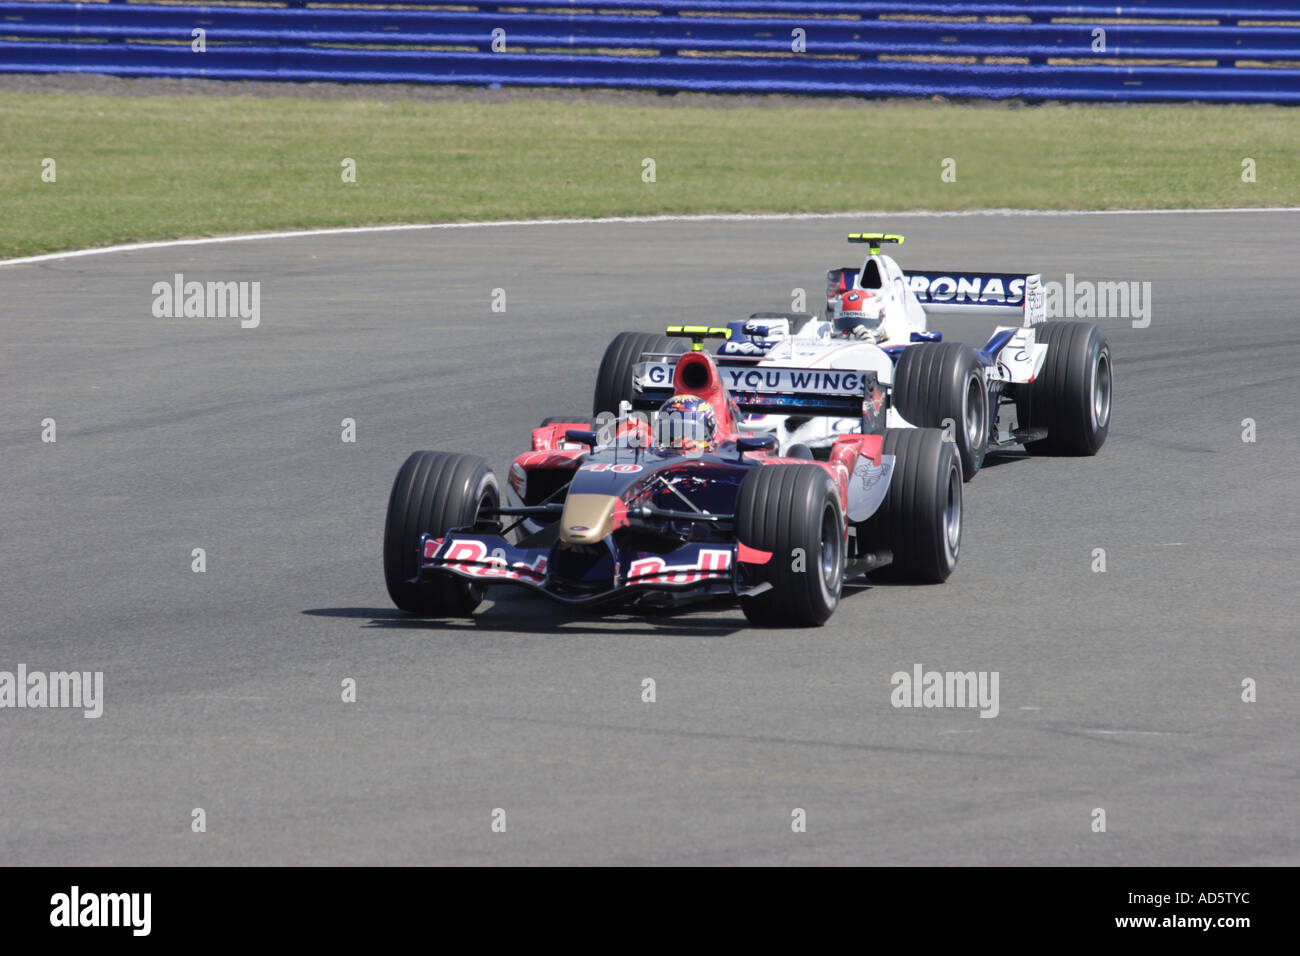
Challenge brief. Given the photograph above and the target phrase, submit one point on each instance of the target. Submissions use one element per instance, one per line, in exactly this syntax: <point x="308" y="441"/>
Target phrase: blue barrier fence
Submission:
<point x="1206" y="50"/>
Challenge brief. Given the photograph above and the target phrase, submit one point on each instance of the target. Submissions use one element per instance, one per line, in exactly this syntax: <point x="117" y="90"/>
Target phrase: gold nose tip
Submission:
<point x="587" y="519"/>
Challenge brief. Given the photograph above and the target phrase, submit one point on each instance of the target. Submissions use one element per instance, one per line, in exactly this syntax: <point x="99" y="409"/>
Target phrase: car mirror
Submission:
<point x="756" y="443"/>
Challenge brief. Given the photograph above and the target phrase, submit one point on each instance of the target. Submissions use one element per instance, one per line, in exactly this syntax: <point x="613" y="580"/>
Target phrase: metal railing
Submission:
<point x="1206" y="50"/>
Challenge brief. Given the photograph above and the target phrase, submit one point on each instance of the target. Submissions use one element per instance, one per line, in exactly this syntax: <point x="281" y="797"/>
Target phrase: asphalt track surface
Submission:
<point x="1118" y="690"/>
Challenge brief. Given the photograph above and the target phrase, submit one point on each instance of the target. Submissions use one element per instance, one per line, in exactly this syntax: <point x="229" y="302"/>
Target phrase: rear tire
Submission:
<point x="794" y="512"/>
<point x="939" y="381"/>
<point x="920" y="518"/>
<point x="614" y="378"/>
<point x="800" y="450"/>
<point x="1071" y="396"/>
<point x="434" y="492"/>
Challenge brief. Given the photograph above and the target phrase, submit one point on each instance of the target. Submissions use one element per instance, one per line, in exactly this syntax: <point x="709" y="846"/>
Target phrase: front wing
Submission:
<point x="694" y="570"/>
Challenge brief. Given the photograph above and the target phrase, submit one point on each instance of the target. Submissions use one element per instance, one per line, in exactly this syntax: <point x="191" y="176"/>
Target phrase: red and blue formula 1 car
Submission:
<point x="670" y="503"/>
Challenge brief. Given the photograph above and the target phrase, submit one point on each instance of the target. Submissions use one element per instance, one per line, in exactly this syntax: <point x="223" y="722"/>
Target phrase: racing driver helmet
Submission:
<point x="686" y="423"/>
<point x="860" y="316"/>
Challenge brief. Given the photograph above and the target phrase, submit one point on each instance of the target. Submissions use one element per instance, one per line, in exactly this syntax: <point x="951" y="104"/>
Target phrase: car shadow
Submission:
<point x="542" y="618"/>
<point x="524" y="614"/>
<point x="995" y="459"/>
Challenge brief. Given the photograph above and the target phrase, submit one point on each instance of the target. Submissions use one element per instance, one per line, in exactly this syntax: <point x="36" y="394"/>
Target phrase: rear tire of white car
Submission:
<point x="921" y="517"/>
<point x="434" y="492"/>
<point x="793" y="512"/>
<point x="941" y="385"/>
<point x="1071" y="396"/>
<point x="614" y="377"/>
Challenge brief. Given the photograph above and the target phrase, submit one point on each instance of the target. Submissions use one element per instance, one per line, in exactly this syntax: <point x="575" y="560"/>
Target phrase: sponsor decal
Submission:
<point x="657" y="373"/>
<point x="622" y="469"/>
<point x="1035" y="301"/>
<point x="744" y="348"/>
<point x="834" y="382"/>
<point x="873" y="408"/>
<point x="471" y="557"/>
<point x="710" y="563"/>
<point x="966" y="289"/>
<point x="868" y="475"/>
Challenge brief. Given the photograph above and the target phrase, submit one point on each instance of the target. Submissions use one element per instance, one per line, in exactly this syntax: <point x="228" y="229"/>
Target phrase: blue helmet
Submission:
<point x="686" y="423"/>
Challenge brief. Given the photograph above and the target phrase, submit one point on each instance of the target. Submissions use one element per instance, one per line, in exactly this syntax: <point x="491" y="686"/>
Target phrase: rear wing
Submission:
<point x="969" y="293"/>
<point x="980" y="293"/>
<point x="768" y="390"/>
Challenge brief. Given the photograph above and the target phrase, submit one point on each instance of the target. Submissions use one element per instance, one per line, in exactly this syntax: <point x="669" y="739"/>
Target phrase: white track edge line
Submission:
<point x="706" y="217"/>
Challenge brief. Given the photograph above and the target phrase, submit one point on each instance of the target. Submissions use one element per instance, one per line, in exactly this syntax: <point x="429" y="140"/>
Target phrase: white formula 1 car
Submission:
<point x="1044" y="385"/>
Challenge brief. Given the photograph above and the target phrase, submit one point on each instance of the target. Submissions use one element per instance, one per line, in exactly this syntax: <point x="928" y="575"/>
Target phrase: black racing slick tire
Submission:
<point x="1071" y="395"/>
<point x="614" y="377"/>
<point x="792" y="511"/>
<point x="920" y="519"/>
<point x="937" y="383"/>
<point x="434" y="492"/>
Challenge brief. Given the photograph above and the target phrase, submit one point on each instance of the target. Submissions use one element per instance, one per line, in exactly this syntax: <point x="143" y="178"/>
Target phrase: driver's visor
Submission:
<point x="677" y="428"/>
<point x="848" y="321"/>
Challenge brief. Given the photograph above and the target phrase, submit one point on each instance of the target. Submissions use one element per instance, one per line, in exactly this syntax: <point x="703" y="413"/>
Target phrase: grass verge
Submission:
<point x="135" y="169"/>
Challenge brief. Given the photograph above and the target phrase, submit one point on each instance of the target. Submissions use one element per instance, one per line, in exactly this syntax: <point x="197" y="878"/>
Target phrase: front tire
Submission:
<point x="434" y="492"/>
<point x="940" y="382"/>
<point x="1071" y="396"/>
<point x="614" y="377"/>
<point x="794" y="512"/>
<point x="920" y="519"/>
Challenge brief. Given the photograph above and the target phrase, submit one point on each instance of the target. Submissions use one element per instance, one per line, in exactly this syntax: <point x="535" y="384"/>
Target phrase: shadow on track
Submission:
<point x="1004" y="458"/>
<point x="545" y="619"/>
<point x="520" y="615"/>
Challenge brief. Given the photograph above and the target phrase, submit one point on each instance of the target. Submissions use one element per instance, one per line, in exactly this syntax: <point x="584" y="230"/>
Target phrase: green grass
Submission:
<point x="133" y="169"/>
